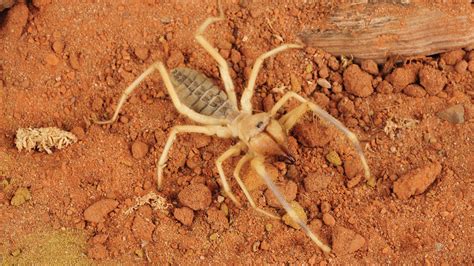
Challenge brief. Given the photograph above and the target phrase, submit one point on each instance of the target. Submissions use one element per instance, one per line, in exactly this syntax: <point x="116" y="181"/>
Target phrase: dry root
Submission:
<point x="43" y="139"/>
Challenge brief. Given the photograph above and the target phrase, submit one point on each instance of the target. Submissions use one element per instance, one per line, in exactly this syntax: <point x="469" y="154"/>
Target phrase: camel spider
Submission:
<point x="260" y="135"/>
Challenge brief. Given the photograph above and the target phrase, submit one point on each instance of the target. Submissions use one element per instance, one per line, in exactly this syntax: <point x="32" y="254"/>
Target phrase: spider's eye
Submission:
<point x="259" y="124"/>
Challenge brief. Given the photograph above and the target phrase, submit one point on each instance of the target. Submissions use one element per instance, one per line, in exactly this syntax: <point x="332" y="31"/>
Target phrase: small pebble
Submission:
<point x="58" y="47"/>
<point x="269" y="227"/>
<point x="324" y="83"/>
<point x="141" y="53"/>
<point x="328" y="219"/>
<point x="214" y="236"/>
<point x="185" y="215"/>
<point x="453" y="114"/>
<point x="256" y="246"/>
<point x="78" y="132"/>
<point x="195" y="196"/>
<point x="334" y="158"/>
<point x="21" y="196"/>
<point x="51" y="59"/>
<point x="97" y="211"/>
<point x="370" y="67"/>
<point x="461" y="66"/>
<point x="295" y="83"/>
<point x="139" y="149"/>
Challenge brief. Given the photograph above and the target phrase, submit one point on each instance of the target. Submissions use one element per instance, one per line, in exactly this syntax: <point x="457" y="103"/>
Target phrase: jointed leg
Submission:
<point x="237" y="169"/>
<point x="127" y="92"/>
<point x="221" y="132"/>
<point x="223" y="67"/>
<point x="248" y="92"/>
<point x="232" y="151"/>
<point x="291" y="118"/>
<point x="257" y="164"/>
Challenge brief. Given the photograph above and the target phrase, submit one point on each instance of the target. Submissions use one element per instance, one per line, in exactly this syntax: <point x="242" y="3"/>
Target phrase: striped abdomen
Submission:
<point x="199" y="93"/>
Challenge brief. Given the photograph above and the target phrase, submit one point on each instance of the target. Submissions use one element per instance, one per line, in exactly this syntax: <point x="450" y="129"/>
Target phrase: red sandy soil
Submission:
<point x="65" y="62"/>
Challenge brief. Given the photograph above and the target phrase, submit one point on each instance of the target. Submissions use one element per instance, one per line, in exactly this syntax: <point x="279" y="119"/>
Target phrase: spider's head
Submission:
<point x="265" y="136"/>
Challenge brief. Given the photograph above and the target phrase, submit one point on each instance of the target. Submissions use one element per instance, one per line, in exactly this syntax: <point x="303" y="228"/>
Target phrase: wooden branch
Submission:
<point x="410" y="31"/>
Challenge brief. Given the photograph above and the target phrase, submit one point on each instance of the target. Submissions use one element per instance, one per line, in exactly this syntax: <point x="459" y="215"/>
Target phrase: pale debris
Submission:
<point x="156" y="202"/>
<point x="43" y="139"/>
<point x="393" y="125"/>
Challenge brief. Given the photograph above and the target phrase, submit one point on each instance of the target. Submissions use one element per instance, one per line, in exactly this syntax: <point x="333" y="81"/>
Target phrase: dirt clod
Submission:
<point x="253" y="181"/>
<point x="328" y="219"/>
<point x="452" y="57"/>
<point x="195" y="196"/>
<point x="370" y="67"/>
<point x="353" y="167"/>
<point x="142" y="228"/>
<point x="185" y="215"/>
<point x="416" y="181"/>
<point x="96" y="212"/>
<point x="21" y="196"/>
<point x="217" y="219"/>
<point x="346" y="241"/>
<point x="51" y="59"/>
<point x="357" y="82"/>
<point x="401" y="77"/>
<point x="453" y="114"/>
<point x="97" y="252"/>
<point x="312" y="134"/>
<point x="139" y="149"/>
<point x="334" y="158"/>
<point x="432" y="80"/>
<point x="315" y="182"/>
<point x="414" y="90"/>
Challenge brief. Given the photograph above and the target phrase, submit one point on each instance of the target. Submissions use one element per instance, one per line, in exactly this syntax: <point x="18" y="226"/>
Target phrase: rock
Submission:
<point x="141" y="53"/>
<point x="315" y="182"/>
<point x="453" y="114"/>
<point x="414" y="90"/>
<point x="401" y="77"/>
<point x="185" y="215"/>
<point x="97" y="211"/>
<point x="195" y="196"/>
<point x="324" y="83"/>
<point x="139" y="149"/>
<point x="353" y="166"/>
<point x="370" y="67"/>
<point x="416" y="181"/>
<point x="328" y="219"/>
<point x="51" y="59"/>
<point x="295" y="83"/>
<point x="217" y="219"/>
<point x="78" y="132"/>
<point x="452" y="57"/>
<point x="142" y="228"/>
<point x="334" y="158"/>
<point x="346" y="241"/>
<point x="357" y="82"/>
<point x="312" y="134"/>
<point x="299" y="212"/>
<point x="461" y="66"/>
<point x="21" y="196"/>
<point x="289" y="191"/>
<point x="432" y="80"/>
<point x="385" y="87"/>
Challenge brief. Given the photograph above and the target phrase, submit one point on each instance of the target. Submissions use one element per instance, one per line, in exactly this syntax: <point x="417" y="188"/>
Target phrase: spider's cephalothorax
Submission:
<point x="258" y="135"/>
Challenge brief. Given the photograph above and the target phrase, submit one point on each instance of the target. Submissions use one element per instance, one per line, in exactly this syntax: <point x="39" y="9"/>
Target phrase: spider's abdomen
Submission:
<point x="199" y="93"/>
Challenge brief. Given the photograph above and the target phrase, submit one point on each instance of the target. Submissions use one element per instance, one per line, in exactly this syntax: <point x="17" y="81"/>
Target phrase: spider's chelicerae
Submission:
<point x="259" y="135"/>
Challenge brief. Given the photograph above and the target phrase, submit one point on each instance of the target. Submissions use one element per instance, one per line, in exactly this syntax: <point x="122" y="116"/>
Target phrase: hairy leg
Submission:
<point x="223" y="66"/>
<point x="219" y="131"/>
<point x="248" y="92"/>
<point x="232" y="151"/>
<point x="257" y="164"/>
<point x="237" y="169"/>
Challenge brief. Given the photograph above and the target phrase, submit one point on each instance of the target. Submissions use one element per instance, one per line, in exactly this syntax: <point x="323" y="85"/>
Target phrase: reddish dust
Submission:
<point x="63" y="63"/>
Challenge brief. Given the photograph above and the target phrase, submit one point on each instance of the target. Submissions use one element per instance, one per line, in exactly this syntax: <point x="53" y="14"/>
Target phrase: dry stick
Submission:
<point x="403" y="32"/>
